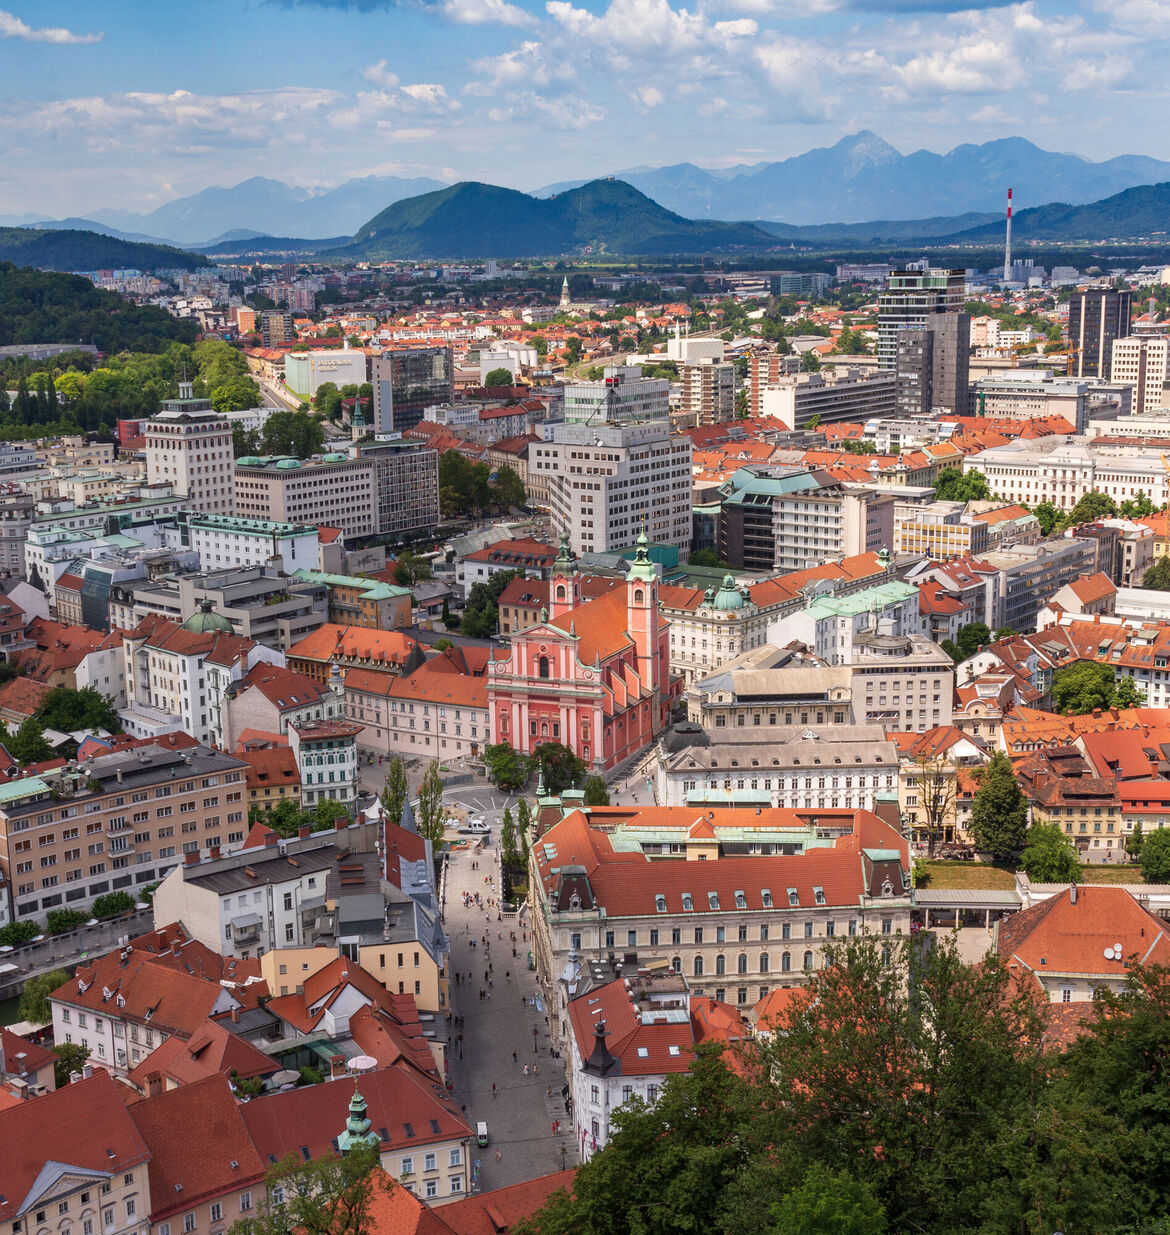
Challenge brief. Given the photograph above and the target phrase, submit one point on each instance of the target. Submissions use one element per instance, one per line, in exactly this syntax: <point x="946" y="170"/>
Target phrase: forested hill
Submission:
<point x="40" y="306"/>
<point x="70" y="250"/>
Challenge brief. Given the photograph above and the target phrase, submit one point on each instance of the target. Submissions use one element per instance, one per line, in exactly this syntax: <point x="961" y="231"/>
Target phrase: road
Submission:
<point x="273" y="396"/>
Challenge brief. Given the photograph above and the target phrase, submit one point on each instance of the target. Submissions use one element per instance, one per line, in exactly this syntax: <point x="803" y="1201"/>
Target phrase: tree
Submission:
<point x="245" y="442"/>
<point x="235" y="394"/>
<point x="508" y="490"/>
<point x="1049" y="856"/>
<point x="506" y="767"/>
<point x="1079" y="688"/>
<point x="971" y="638"/>
<point x="58" y="921"/>
<point x="524" y="827"/>
<point x="1158" y="575"/>
<point x="1154" y="857"/>
<point x="934" y="782"/>
<point x="71" y="1057"/>
<point x="28" y="744"/>
<point x="810" y="362"/>
<point x="1135" y="840"/>
<point x="1094" y="505"/>
<point x="596" y="793"/>
<point x="328" y="400"/>
<point x="430" y="814"/>
<point x="814" y="421"/>
<point x="999" y="813"/>
<point x="498" y="377"/>
<point x="67" y="710"/>
<point x="573" y="349"/>
<point x="705" y="557"/>
<point x="34" y="999"/>
<point x="956" y="486"/>
<point x="111" y="904"/>
<point x="1136" y="507"/>
<point x="1049" y="517"/>
<point x="411" y="568"/>
<point x="393" y="797"/>
<point x="560" y="767"/>
<point x="510" y="853"/>
<point x="330" y="1195"/>
<point x="1127" y="695"/>
<point x="481" y="611"/>
<point x="16" y="933"/>
<point x="292" y="433"/>
<point x="828" y="1203"/>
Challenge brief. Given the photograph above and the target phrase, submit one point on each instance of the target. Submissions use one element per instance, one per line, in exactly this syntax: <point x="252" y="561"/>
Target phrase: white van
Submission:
<point x="481" y="1136"/>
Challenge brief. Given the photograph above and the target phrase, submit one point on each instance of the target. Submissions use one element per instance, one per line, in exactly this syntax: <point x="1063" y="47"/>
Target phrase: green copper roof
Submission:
<point x="729" y="596"/>
<point x="207" y="621"/>
<point x="372" y="589"/>
<point x="357" y="1125"/>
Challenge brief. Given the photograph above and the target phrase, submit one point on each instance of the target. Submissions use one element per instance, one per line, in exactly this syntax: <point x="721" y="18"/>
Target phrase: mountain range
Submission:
<point x="471" y="219"/>
<point x="863" y="177"/>
<point x="75" y="249"/>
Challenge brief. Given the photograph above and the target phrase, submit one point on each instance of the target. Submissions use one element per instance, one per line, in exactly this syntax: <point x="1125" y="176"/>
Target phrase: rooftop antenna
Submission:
<point x="1007" y="248"/>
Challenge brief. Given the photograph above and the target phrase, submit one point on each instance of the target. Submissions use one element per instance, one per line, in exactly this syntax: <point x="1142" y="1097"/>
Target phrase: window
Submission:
<point x="786" y="930"/>
<point x="763" y="962"/>
<point x="455" y="1157"/>
<point x="406" y="1166"/>
<point x="741" y="963"/>
<point x="245" y="1202"/>
<point x="698" y="967"/>
<point x="429" y="1162"/>
<point x="432" y="1187"/>
<point x="131" y="1207"/>
<point x="887" y="926"/>
<point x="808" y="961"/>
<point x="455" y="1183"/>
<point x="542" y="667"/>
<point x="217" y="1211"/>
<point x="188" y="1222"/>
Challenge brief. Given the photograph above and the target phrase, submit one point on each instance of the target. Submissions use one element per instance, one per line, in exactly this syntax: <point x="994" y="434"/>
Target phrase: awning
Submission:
<point x="246" y="920"/>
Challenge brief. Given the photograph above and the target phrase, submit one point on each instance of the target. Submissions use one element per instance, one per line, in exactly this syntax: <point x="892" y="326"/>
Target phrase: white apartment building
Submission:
<point x="830" y="625"/>
<point x="1029" y="394"/>
<point x="190" y="447"/>
<point x="327" y="760"/>
<point x="623" y="395"/>
<point x="229" y="542"/>
<point x="1062" y="470"/>
<point x="708" y="391"/>
<point x="609" y="482"/>
<point x="834" y="396"/>
<point x="1143" y="362"/>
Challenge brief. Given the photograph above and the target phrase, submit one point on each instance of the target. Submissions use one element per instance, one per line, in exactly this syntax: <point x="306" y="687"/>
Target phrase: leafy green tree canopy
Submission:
<point x="999" y="813"/>
<point x="34" y="999"/>
<point x="1049" y="856"/>
<point x="1155" y="856"/>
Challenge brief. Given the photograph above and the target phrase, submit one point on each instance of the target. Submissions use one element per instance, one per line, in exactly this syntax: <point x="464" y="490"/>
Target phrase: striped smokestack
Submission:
<point x="1007" y="248"/>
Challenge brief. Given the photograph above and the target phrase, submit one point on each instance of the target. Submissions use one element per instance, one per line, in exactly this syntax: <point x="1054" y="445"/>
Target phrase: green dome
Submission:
<point x="205" y="621"/>
<point x="289" y="464"/>
<point x="728" y="596"/>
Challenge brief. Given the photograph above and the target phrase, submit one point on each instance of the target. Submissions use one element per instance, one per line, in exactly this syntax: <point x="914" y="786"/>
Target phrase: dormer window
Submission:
<point x="688" y="903"/>
<point x="740" y="901"/>
<point x="712" y="900"/>
<point x="793" y="897"/>
<point x="766" y="897"/>
<point x="660" y="903"/>
<point x="819" y="895"/>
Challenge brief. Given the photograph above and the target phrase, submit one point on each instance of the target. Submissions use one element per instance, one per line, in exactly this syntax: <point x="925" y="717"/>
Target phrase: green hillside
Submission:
<point x="74" y="250"/>
<point x="1132" y="214"/>
<point x="471" y="220"/>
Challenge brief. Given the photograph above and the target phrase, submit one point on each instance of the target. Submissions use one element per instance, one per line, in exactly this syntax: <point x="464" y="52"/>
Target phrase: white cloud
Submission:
<point x="380" y="75"/>
<point x="648" y="96"/>
<point x="485" y="12"/>
<point x="11" y="27"/>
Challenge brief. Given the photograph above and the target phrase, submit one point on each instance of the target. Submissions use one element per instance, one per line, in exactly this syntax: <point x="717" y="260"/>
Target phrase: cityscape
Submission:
<point x="731" y="592"/>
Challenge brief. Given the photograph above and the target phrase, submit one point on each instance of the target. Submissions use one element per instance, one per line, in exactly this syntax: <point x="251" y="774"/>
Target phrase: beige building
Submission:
<point x="708" y="392"/>
<point x="940" y="530"/>
<point x="190" y="447"/>
<point x="115" y="822"/>
<point x="335" y="491"/>
<point x="1143" y="362"/>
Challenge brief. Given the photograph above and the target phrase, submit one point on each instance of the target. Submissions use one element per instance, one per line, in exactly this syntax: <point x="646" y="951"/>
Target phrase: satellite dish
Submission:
<point x="362" y="1063"/>
<point x="1109" y="954"/>
<point x="1117" y="949"/>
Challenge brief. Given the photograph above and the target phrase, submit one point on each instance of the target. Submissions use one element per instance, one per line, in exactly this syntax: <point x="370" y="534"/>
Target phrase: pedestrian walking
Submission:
<point x="493" y="1089"/>
<point x="525" y="1069"/>
<point x="515" y="1057"/>
<point x="497" y="1155"/>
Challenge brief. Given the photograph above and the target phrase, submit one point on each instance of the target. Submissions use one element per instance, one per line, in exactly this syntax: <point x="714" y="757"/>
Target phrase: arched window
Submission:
<point x="560" y="591"/>
<point x="698" y="966"/>
<point x="808" y="961"/>
<point x="676" y="964"/>
<point x="542" y="666"/>
<point x="544" y="728"/>
<point x="763" y="962"/>
<point x="786" y="962"/>
<point x="720" y="964"/>
<point x="741" y="963"/>
<point x="639" y="596"/>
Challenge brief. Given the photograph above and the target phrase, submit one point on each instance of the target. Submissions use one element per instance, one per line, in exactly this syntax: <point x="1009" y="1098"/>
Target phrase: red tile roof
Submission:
<point x="275" y="766"/>
<point x="210" y="1050"/>
<point x="83" y="1125"/>
<point x="199" y="1146"/>
<point x="499" y="1211"/>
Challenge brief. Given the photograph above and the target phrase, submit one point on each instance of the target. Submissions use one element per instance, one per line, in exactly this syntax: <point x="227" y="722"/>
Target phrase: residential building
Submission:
<point x="607" y="482"/>
<point x="622" y="396"/>
<point x="533" y="557"/>
<point x="833" y="396"/>
<point x="177" y="676"/>
<point x="77" y="1154"/>
<point x="1035" y="394"/>
<point x="708" y="392"/>
<point x="1095" y="318"/>
<point x="115" y="822"/>
<point x="781" y="518"/>
<point x="738" y="901"/>
<point x="273" y="776"/>
<point x="439" y="710"/>
<point x="334" y="490"/>
<point x="349" y="647"/>
<point x="326" y="755"/>
<point x="829" y="626"/>
<point x="406" y="484"/>
<point x="938" y="531"/>
<point x="595" y="675"/>
<point x="190" y="447"/>
<point x="796" y="766"/>
<point x="1063" y="790"/>
<point x="1082" y="940"/>
<point x="765" y="368"/>
<point x="16" y="517"/>
<point x="270" y="698"/>
<point x="408" y="381"/>
<point x="276" y="328"/>
<point x="27" y="1069"/>
<point x="357" y="601"/>
<point x="909" y="299"/>
<point x="1081" y="598"/>
<point x="932" y="365"/>
<point x="934" y="771"/>
<point x="1143" y="362"/>
<point x="233" y="542"/>
<point x="259" y="602"/>
<point x="72" y="656"/>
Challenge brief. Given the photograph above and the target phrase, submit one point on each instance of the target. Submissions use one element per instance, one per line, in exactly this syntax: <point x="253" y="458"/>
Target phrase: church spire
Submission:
<point x="357" y="1125"/>
<point x="643" y="567"/>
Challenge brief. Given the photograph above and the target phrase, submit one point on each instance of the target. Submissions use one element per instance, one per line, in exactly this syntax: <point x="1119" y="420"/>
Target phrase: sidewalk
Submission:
<point x="521" y="1114"/>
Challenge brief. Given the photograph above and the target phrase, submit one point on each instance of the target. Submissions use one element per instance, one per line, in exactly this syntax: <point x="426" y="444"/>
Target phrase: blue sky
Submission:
<point x="129" y="103"/>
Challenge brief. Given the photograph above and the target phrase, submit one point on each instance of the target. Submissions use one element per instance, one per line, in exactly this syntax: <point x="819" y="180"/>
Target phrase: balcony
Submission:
<point x="246" y="928"/>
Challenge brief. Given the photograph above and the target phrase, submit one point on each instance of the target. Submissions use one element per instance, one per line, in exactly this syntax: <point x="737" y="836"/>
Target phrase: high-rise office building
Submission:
<point x="911" y="296"/>
<point x="1095" y="318"/>
<point x="932" y="364"/>
<point x="407" y="382"/>
<point x="190" y="446"/>
<point x="1143" y="362"/>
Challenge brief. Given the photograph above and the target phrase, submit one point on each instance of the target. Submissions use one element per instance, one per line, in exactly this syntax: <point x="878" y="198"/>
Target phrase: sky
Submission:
<point x="131" y="103"/>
